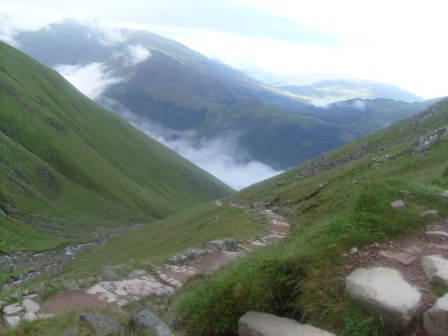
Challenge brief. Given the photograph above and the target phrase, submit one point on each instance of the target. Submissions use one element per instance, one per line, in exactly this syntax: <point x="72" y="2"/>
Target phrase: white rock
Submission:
<point x="262" y="324"/>
<point x="31" y="306"/>
<point x="30" y="317"/>
<point x="12" y="309"/>
<point x="121" y="292"/>
<point x="383" y="291"/>
<point x="435" y="319"/>
<point x="436" y="269"/>
<point x="11" y="321"/>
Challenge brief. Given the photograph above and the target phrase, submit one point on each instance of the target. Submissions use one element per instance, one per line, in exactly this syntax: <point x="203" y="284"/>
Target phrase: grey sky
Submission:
<point x="400" y="42"/>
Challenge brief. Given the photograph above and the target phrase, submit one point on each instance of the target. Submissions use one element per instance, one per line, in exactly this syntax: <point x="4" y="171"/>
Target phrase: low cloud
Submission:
<point x="222" y="156"/>
<point x="359" y="105"/>
<point x="322" y="103"/>
<point x="91" y="79"/>
<point x="136" y="54"/>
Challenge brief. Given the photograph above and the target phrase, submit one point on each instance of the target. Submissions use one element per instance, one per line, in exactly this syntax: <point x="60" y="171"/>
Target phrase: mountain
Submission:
<point x="179" y="89"/>
<point x="69" y="167"/>
<point x="192" y="103"/>
<point x="342" y="90"/>
<point x="333" y="87"/>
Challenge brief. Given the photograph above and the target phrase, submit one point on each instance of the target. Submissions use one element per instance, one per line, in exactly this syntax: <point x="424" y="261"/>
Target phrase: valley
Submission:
<point x="98" y="218"/>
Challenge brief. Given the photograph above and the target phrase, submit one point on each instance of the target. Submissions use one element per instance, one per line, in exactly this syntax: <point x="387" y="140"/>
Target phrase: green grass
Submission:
<point x="70" y="166"/>
<point x="156" y="243"/>
<point x="300" y="277"/>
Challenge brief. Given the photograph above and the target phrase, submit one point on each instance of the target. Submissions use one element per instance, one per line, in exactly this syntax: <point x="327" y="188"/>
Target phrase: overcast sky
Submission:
<point x="395" y="41"/>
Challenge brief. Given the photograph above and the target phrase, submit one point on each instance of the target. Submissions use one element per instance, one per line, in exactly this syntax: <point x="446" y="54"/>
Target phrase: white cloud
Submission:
<point x="91" y="79"/>
<point x="322" y="103"/>
<point x="359" y="105"/>
<point x="222" y="157"/>
<point x="136" y="54"/>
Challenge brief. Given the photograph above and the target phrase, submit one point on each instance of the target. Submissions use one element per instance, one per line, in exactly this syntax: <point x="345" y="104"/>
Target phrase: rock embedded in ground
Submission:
<point x="435" y="320"/>
<point x="12" y="309"/>
<point x="99" y="325"/>
<point x="11" y="321"/>
<point x="222" y="245"/>
<point x="384" y="292"/>
<point x="31" y="306"/>
<point x="404" y="258"/>
<point x="262" y="324"/>
<point x="398" y="205"/>
<point x="146" y="323"/>
<point x="437" y="234"/>
<point x="112" y="273"/>
<point x="436" y="269"/>
<point x="428" y="213"/>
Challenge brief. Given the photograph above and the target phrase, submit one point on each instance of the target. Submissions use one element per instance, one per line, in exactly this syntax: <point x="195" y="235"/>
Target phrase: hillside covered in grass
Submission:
<point x="336" y="202"/>
<point x="69" y="167"/>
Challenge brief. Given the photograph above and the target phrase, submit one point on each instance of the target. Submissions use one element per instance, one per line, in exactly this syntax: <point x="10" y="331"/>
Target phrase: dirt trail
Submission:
<point x="163" y="281"/>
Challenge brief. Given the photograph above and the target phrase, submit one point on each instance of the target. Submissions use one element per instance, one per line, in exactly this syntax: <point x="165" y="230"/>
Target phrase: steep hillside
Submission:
<point x="337" y="202"/>
<point x="69" y="166"/>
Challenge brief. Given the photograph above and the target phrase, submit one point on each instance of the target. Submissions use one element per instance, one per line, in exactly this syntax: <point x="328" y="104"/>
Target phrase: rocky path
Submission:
<point x="164" y="280"/>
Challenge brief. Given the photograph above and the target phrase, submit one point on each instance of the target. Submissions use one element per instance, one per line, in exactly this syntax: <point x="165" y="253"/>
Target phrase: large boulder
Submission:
<point x="146" y="323"/>
<point x="436" y="269"/>
<point x="435" y="319"/>
<point x="262" y="324"/>
<point x="99" y="325"/>
<point x="384" y="292"/>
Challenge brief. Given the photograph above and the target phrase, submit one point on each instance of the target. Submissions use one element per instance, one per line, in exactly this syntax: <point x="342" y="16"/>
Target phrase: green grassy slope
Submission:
<point x="335" y="202"/>
<point x="68" y="165"/>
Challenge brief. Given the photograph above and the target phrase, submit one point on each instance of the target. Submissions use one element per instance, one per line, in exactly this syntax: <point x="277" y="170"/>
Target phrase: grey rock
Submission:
<point x="11" y="321"/>
<point x="222" y="245"/>
<point x="436" y="269"/>
<point x="30" y="317"/>
<point x="383" y="291"/>
<point x="398" y="205"/>
<point x="70" y="332"/>
<point x="31" y="306"/>
<point x="136" y="274"/>
<point x="99" y="325"/>
<point x="437" y="234"/>
<point x="3" y="304"/>
<point x="444" y="193"/>
<point x="424" y="143"/>
<point x="428" y="213"/>
<point x="34" y="297"/>
<point x="12" y="309"/>
<point x="262" y="324"/>
<point x="112" y="273"/>
<point x="41" y="289"/>
<point x="404" y="258"/>
<point x="146" y="323"/>
<point x="435" y="320"/>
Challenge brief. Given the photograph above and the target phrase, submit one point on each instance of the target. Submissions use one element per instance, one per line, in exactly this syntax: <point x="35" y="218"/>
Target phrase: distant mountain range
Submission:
<point x="161" y="85"/>
<point x="333" y="87"/>
<point x="342" y="90"/>
<point x="69" y="166"/>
